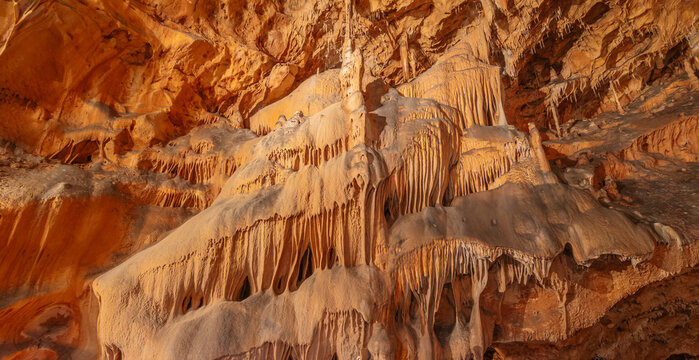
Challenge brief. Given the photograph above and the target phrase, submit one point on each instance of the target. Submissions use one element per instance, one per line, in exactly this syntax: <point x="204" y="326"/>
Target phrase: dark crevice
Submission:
<point x="78" y="153"/>
<point x="389" y="211"/>
<point x="671" y="61"/>
<point x="186" y="303"/>
<point x="490" y="354"/>
<point x="568" y="251"/>
<point x="244" y="291"/>
<point x="280" y="285"/>
<point x="445" y="316"/>
<point x="331" y="258"/>
<point x="414" y="309"/>
<point x="305" y="267"/>
<point x="595" y="13"/>
<point x="681" y="357"/>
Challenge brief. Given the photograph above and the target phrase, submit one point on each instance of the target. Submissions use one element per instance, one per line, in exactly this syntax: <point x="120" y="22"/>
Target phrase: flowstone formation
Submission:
<point x="349" y="180"/>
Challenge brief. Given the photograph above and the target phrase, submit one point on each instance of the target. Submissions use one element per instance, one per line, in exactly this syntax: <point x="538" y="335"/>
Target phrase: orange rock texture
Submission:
<point x="349" y="179"/>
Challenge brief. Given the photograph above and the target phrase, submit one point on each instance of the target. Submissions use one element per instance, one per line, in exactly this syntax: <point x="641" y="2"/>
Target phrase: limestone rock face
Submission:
<point x="356" y="179"/>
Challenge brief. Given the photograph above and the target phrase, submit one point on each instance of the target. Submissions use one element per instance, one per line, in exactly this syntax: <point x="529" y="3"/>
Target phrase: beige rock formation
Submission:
<point x="354" y="179"/>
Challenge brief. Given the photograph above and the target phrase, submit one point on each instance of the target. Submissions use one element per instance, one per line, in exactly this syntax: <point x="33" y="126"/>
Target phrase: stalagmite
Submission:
<point x="538" y="148"/>
<point x="406" y="63"/>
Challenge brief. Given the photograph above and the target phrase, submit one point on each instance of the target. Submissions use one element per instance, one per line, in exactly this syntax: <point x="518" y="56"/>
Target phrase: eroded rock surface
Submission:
<point x="349" y="179"/>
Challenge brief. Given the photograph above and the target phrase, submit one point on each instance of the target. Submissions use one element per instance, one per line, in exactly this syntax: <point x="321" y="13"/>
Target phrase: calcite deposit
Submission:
<point x="349" y="179"/>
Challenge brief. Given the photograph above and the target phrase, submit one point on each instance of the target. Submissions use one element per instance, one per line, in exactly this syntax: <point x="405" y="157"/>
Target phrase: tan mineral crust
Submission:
<point x="349" y="179"/>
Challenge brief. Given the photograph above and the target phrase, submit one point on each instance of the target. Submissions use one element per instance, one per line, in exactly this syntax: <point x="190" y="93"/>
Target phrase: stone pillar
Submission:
<point x="538" y="148"/>
<point x="351" y="75"/>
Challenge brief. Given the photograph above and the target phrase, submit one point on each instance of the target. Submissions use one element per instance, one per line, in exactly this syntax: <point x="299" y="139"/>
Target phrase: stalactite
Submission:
<point x="561" y="89"/>
<point x="166" y="195"/>
<point x="478" y="169"/>
<point x="423" y="176"/>
<point x="479" y="279"/>
<point x="77" y="145"/>
<point x="483" y="162"/>
<point x="332" y="336"/>
<point x="268" y="253"/>
<point x="257" y="175"/>
<point x="442" y="260"/>
<point x="192" y="167"/>
<point x="420" y="109"/>
<point x="476" y="92"/>
<point x="277" y="350"/>
<point x="295" y="157"/>
<point x="207" y="155"/>
<point x="423" y="272"/>
<point x="616" y="98"/>
<point x="174" y="198"/>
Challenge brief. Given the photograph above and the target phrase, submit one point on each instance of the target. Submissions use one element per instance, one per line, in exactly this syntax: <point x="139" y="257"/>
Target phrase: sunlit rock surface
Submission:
<point x="349" y="179"/>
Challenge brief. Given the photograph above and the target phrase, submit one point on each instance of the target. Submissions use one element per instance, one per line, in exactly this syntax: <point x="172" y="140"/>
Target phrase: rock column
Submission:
<point x="351" y="74"/>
